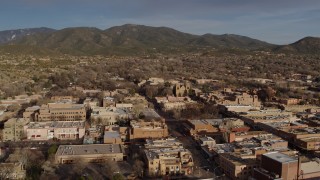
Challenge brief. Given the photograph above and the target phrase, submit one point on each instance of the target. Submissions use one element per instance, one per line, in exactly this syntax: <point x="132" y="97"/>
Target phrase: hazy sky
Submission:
<point x="274" y="21"/>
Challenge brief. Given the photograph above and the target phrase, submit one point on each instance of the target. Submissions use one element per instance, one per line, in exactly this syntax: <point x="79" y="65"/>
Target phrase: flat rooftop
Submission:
<point x="150" y="114"/>
<point x="33" y="108"/>
<point x="56" y="124"/>
<point x="207" y="121"/>
<point x="111" y="134"/>
<point x="65" y="150"/>
<point x="160" y="143"/>
<point x="280" y="157"/>
<point x="310" y="167"/>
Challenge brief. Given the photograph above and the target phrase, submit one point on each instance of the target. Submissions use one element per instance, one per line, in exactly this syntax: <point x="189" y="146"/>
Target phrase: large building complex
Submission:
<point x="63" y="130"/>
<point x="89" y="153"/>
<point x="110" y="115"/>
<point x="142" y="129"/>
<point x="62" y="112"/>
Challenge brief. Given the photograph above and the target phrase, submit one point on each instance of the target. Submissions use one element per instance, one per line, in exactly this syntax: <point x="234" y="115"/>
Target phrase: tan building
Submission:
<point x="267" y="115"/>
<point x="108" y="102"/>
<point x="237" y="167"/>
<point x="63" y="130"/>
<point x="91" y="103"/>
<point x="110" y="115"/>
<point x="13" y="129"/>
<point x="167" y="157"/>
<point x="115" y="134"/>
<point x="203" y="126"/>
<point x="143" y="129"/>
<point x="31" y="113"/>
<point x="89" y="153"/>
<point x="64" y="99"/>
<point x="182" y="89"/>
<point x="309" y="143"/>
<point x="240" y="99"/>
<point x="62" y="112"/>
<point x="290" y="101"/>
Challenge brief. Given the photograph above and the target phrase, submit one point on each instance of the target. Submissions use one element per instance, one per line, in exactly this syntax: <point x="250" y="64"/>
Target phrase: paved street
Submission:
<point x="203" y="168"/>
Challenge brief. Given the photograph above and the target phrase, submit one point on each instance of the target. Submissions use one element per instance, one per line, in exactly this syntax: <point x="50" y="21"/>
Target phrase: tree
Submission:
<point x="110" y="167"/>
<point x="78" y="166"/>
<point x="118" y="176"/>
<point x="138" y="167"/>
<point x="52" y="150"/>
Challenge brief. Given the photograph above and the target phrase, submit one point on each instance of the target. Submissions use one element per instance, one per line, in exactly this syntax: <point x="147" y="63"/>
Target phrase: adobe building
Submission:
<point x="63" y="130"/>
<point x="64" y="99"/>
<point x="31" y="113"/>
<point x="143" y="129"/>
<point x="108" y="102"/>
<point x="115" y="134"/>
<point x="110" y="115"/>
<point x="94" y="153"/>
<point x="62" y="112"/>
<point x="182" y="89"/>
<point x="203" y="126"/>
<point x="13" y="129"/>
<point x="167" y="157"/>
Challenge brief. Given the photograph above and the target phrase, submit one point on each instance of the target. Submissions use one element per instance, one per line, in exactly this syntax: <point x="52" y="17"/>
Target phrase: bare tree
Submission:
<point x="138" y="167"/>
<point x="5" y="172"/>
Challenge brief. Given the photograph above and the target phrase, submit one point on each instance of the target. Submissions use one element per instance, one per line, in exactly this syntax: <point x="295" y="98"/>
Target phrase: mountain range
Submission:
<point x="136" y="40"/>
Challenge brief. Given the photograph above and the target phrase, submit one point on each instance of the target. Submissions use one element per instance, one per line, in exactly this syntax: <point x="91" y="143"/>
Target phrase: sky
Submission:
<point x="273" y="21"/>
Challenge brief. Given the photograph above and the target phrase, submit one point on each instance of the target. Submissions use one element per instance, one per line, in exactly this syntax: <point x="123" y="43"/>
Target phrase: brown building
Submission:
<point x="203" y="126"/>
<point x="89" y="153"/>
<point x="143" y="129"/>
<point x="237" y="167"/>
<point x="310" y="143"/>
<point x="62" y="112"/>
<point x="275" y="165"/>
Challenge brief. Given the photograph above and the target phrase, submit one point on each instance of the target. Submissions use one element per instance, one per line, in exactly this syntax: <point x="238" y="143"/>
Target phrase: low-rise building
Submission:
<point x="167" y="157"/>
<point x="31" y="113"/>
<point x="63" y="130"/>
<point x="108" y="102"/>
<point x="207" y="141"/>
<point x="13" y="129"/>
<point x="112" y="137"/>
<point x="203" y="126"/>
<point x="275" y="165"/>
<point x="90" y="103"/>
<point x="237" y="167"/>
<point x="110" y="115"/>
<point x="143" y="129"/>
<point x="62" y="111"/>
<point x="96" y="153"/>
